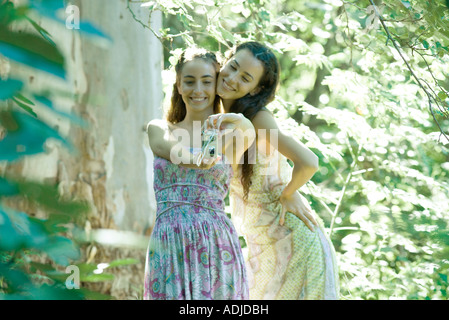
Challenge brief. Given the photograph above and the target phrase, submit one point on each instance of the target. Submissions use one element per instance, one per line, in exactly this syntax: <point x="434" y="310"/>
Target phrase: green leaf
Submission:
<point x="406" y="4"/>
<point x="15" y="278"/>
<point x="264" y="15"/>
<point x="48" y="8"/>
<point x="31" y="50"/>
<point x="9" y="88"/>
<point x="44" y="33"/>
<point x="23" y="99"/>
<point x="17" y="231"/>
<point x="54" y="292"/>
<point x="86" y="268"/>
<point x="227" y="35"/>
<point x="91" y="30"/>
<point x="49" y="104"/>
<point x="60" y="249"/>
<point x="25" y="107"/>
<point x="47" y="197"/>
<point x="97" y="277"/>
<point x="24" y="103"/>
<point x="93" y="295"/>
<point x="25" y="136"/>
<point x="7" y="188"/>
<point x="442" y="95"/>
<point x="9" y="14"/>
<point x="44" y="267"/>
<point x="122" y="262"/>
<point x="9" y="238"/>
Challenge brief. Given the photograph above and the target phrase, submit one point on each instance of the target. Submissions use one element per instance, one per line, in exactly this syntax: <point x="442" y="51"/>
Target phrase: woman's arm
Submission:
<point x="159" y="138"/>
<point x="164" y="144"/>
<point x="305" y="164"/>
<point x="238" y="135"/>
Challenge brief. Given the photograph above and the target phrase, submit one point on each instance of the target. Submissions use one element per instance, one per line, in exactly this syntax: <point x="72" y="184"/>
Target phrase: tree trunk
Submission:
<point x="117" y="89"/>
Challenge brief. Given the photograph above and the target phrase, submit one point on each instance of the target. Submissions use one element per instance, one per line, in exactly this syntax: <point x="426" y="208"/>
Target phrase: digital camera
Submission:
<point x="209" y="147"/>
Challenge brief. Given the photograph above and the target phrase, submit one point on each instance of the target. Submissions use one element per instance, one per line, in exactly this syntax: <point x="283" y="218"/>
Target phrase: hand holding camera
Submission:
<point x="209" y="148"/>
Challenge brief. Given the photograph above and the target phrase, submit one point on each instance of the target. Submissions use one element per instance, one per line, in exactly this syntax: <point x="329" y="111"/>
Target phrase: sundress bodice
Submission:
<point x="176" y="186"/>
<point x="194" y="251"/>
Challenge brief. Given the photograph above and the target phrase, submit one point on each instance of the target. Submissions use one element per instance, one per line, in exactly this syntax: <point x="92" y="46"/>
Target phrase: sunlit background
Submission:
<point x="77" y="85"/>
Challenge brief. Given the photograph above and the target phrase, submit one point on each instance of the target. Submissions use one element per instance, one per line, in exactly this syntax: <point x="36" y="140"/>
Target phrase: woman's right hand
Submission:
<point x="297" y="205"/>
<point x="236" y="134"/>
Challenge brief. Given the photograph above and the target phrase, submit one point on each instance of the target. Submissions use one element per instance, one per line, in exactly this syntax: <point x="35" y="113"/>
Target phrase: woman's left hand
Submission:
<point x="297" y="205"/>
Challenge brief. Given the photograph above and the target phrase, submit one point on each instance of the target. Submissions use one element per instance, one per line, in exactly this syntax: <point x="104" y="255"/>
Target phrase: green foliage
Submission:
<point x="370" y="97"/>
<point x="35" y="251"/>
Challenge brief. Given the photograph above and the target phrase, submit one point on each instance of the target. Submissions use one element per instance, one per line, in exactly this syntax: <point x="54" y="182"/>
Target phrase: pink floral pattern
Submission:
<point x="194" y="250"/>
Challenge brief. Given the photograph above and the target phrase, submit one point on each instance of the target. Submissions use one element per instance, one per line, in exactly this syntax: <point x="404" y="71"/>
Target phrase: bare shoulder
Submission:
<point x="157" y="125"/>
<point x="158" y="132"/>
<point x="264" y="120"/>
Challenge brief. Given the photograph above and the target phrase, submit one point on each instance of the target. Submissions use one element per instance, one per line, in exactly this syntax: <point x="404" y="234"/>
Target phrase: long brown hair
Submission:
<point x="177" y="111"/>
<point x="250" y="105"/>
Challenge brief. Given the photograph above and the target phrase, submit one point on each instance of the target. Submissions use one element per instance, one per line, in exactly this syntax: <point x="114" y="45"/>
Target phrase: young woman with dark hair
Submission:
<point x="289" y="254"/>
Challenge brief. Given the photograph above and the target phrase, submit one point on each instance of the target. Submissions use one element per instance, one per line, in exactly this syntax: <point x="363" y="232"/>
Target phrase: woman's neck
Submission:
<point x="191" y="127"/>
<point x="227" y="104"/>
<point x="191" y="117"/>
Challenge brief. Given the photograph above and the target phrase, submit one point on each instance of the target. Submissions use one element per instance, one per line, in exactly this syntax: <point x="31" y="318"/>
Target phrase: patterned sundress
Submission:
<point x="287" y="262"/>
<point x="194" y="251"/>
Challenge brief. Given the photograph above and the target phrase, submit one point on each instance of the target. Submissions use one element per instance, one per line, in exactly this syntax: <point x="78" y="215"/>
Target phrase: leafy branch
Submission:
<point x="418" y="80"/>
<point x="182" y="13"/>
<point x="345" y="185"/>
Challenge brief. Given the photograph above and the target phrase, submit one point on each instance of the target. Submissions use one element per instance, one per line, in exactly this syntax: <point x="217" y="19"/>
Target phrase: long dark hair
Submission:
<point x="250" y="105"/>
<point x="177" y="111"/>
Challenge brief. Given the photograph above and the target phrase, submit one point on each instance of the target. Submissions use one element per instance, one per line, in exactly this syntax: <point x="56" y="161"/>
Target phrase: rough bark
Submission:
<point x="117" y="89"/>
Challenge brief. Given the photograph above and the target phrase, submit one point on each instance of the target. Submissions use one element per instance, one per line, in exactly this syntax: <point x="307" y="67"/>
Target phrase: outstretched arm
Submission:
<point x="166" y="145"/>
<point x="238" y="134"/>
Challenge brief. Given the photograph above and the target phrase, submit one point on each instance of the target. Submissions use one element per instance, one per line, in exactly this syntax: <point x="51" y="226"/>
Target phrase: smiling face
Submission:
<point x="240" y="76"/>
<point x="196" y="84"/>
